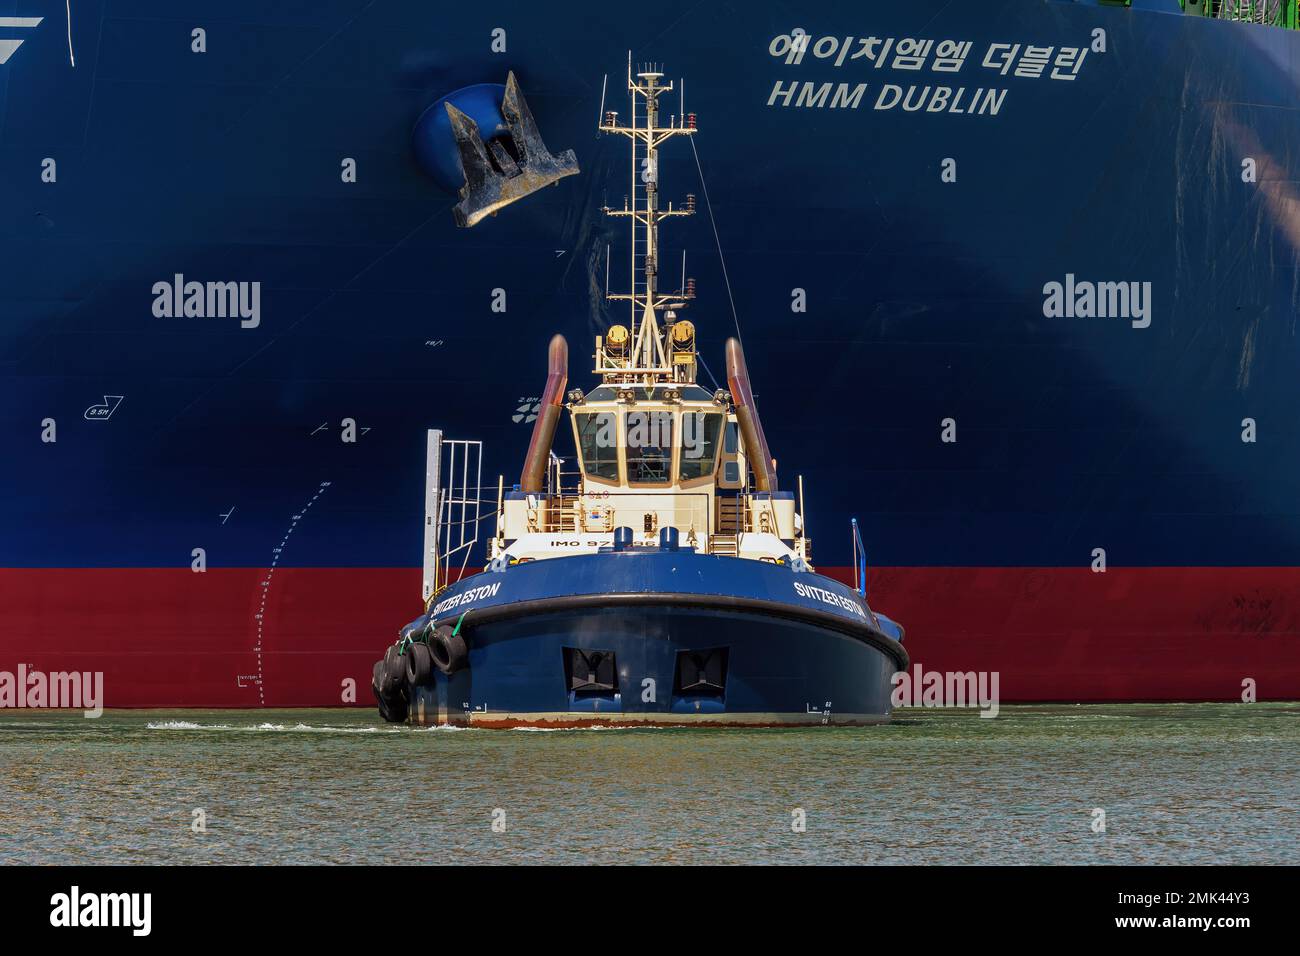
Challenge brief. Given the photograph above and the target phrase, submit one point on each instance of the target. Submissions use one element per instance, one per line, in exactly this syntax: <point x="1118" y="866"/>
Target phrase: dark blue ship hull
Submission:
<point x="685" y="639"/>
<point x="183" y="481"/>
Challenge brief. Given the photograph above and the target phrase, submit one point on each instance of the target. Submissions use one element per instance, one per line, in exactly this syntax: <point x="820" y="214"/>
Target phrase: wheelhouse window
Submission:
<point x="649" y="440"/>
<point x="700" y="431"/>
<point x="598" y="444"/>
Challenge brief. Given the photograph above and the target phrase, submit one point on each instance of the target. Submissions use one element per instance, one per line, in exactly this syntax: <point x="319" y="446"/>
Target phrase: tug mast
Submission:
<point x="655" y="355"/>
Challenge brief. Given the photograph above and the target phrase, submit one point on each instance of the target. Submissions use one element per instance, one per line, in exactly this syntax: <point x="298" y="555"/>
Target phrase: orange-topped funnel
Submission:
<point x="751" y="429"/>
<point x="533" y="478"/>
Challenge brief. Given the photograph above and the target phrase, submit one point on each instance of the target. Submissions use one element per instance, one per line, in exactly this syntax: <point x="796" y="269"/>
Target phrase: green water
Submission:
<point x="1179" y="784"/>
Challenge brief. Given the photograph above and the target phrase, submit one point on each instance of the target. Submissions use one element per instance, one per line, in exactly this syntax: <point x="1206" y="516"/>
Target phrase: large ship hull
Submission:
<point x="170" y="638"/>
<point x="199" y="527"/>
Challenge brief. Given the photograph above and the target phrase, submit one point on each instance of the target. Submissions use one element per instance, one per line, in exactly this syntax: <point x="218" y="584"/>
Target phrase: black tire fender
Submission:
<point x="449" y="650"/>
<point x="419" y="664"/>
<point x="392" y="705"/>
<point x="394" y="664"/>
<point x="393" y="709"/>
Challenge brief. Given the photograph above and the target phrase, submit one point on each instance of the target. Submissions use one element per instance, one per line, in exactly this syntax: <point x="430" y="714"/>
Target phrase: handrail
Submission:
<point x="1272" y="13"/>
<point x="695" y="513"/>
<point x="453" y="508"/>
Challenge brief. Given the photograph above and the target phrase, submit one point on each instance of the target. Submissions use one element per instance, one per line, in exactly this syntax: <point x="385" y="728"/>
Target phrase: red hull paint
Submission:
<point x="173" y="638"/>
<point x="1069" y="634"/>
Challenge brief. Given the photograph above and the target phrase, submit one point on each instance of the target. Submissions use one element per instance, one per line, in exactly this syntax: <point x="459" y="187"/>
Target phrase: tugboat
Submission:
<point x="673" y="584"/>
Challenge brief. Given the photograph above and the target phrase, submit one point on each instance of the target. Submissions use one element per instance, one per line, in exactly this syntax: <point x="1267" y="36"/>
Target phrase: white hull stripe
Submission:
<point x="9" y="47"/>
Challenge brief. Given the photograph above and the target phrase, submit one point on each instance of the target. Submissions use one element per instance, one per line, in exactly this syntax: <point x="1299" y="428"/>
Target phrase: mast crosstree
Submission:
<point x="656" y="353"/>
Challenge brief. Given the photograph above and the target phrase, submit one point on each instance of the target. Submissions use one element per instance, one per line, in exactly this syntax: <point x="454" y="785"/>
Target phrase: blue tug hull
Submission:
<point x="684" y="639"/>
